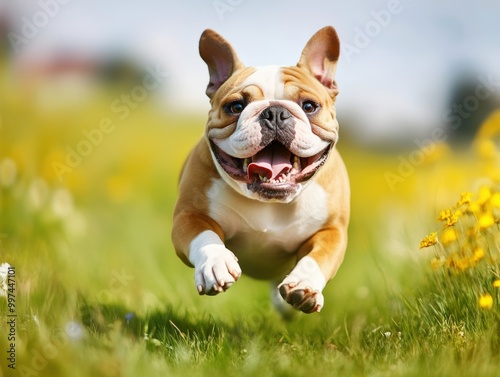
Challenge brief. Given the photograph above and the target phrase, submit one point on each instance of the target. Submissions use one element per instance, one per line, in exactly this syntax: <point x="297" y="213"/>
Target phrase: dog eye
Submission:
<point x="309" y="107"/>
<point x="235" y="107"/>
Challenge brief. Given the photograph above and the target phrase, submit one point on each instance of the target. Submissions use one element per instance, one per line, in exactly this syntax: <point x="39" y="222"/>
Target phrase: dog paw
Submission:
<point x="218" y="270"/>
<point x="287" y="312"/>
<point x="302" y="287"/>
<point x="301" y="295"/>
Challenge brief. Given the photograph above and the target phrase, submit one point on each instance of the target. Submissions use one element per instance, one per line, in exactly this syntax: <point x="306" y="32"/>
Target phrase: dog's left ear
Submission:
<point x="320" y="57"/>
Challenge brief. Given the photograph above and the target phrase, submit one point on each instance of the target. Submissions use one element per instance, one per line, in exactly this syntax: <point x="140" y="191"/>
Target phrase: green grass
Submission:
<point x="100" y="291"/>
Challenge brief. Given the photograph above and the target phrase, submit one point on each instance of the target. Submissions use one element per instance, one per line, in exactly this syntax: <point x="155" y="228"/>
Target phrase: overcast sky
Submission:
<point x="398" y="62"/>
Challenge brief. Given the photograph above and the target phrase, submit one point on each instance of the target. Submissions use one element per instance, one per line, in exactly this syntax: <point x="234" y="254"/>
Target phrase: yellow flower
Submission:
<point x="448" y="236"/>
<point x="475" y="208"/>
<point x="486" y="149"/>
<point x="485" y="301"/>
<point x="454" y="218"/>
<point x="451" y="219"/>
<point x="454" y="261"/>
<point x="496" y="283"/>
<point x="483" y="195"/>
<point x="472" y="232"/>
<point x="429" y="240"/>
<point x="493" y="172"/>
<point x="486" y="220"/>
<point x="478" y="255"/>
<point x="495" y="200"/>
<point x="465" y="198"/>
<point x="462" y="264"/>
<point x="437" y="263"/>
<point x="436" y="152"/>
<point x="444" y="215"/>
<point x="490" y="127"/>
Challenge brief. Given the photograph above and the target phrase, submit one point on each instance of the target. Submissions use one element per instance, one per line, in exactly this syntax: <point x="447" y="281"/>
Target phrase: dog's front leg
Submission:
<point x="320" y="258"/>
<point x="198" y="241"/>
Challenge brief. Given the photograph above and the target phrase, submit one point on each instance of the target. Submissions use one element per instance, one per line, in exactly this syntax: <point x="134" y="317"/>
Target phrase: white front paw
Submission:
<point x="217" y="270"/>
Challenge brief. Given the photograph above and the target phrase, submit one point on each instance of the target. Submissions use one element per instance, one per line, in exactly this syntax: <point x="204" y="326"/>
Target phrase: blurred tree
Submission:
<point x="4" y="42"/>
<point x="120" y="71"/>
<point x="472" y="100"/>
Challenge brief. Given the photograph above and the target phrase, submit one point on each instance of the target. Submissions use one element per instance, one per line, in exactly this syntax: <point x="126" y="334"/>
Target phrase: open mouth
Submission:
<point x="274" y="172"/>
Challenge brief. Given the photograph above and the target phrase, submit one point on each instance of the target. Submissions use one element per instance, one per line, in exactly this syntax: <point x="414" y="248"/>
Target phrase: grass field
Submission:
<point x="100" y="292"/>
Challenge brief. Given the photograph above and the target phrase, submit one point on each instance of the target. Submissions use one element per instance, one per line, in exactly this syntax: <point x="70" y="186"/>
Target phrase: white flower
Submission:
<point x="37" y="193"/>
<point x="74" y="330"/>
<point x="4" y="272"/>
<point x="62" y="203"/>
<point x="363" y="292"/>
<point x="76" y="224"/>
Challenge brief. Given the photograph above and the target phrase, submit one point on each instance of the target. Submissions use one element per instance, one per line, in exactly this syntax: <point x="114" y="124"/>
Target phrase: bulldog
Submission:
<point x="265" y="192"/>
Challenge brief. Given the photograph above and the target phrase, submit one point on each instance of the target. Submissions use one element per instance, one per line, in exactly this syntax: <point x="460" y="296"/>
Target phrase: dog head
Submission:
<point x="270" y="129"/>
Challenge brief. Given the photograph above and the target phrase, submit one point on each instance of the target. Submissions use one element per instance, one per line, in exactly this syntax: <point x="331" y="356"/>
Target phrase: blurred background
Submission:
<point x="403" y="65"/>
<point x="100" y="102"/>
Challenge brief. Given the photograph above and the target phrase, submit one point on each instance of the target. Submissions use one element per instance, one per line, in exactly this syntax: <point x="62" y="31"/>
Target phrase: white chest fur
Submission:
<point x="261" y="227"/>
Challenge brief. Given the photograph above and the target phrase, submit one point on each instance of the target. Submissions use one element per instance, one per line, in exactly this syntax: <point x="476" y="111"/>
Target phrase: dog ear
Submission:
<point x="220" y="57"/>
<point x="320" y="57"/>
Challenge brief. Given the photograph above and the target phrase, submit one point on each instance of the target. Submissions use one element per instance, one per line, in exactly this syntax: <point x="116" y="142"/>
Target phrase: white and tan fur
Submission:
<point x="224" y="226"/>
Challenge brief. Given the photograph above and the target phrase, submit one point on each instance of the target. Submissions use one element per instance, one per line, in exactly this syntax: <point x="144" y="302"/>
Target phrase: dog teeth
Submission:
<point x="282" y="178"/>
<point x="296" y="163"/>
<point x="245" y="165"/>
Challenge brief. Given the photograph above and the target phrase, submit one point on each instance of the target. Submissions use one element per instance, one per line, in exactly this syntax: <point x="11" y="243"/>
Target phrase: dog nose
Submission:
<point x="277" y="123"/>
<point x="275" y="117"/>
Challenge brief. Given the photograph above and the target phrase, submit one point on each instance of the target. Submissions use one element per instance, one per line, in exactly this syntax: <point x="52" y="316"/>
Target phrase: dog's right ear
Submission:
<point x="221" y="59"/>
<point x="320" y="57"/>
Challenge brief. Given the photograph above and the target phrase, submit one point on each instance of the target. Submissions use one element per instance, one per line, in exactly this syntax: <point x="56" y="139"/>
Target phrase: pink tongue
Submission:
<point x="270" y="162"/>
